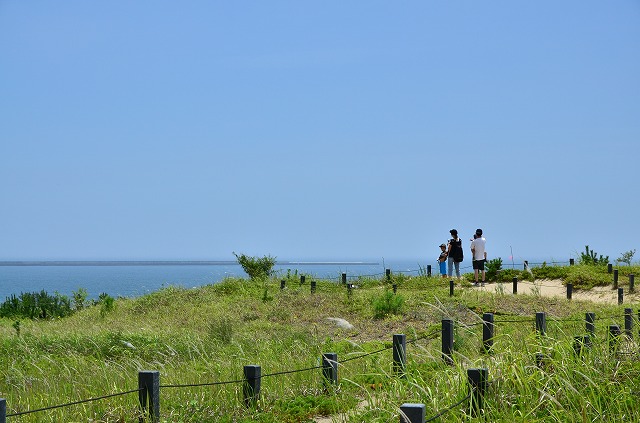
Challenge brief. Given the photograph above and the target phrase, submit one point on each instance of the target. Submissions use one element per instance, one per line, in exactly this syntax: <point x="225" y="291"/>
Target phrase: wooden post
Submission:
<point x="525" y="265"/>
<point x="581" y="342"/>
<point x="149" y="394"/>
<point x="615" y="279"/>
<point x="412" y="413"/>
<point x="251" y="386"/>
<point x="590" y="319"/>
<point x="487" y="331"/>
<point x="344" y="278"/>
<point x="569" y="291"/>
<point x="609" y="267"/>
<point x="3" y="410"/>
<point x="572" y="262"/>
<point x="515" y="285"/>
<point x="628" y="322"/>
<point x="387" y="273"/>
<point x="303" y="279"/>
<point x="620" y="295"/>
<point x="447" y="341"/>
<point x="282" y="284"/>
<point x="313" y="287"/>
<point x="399" y="354"/>
<point x="451" y="285"/>
<point x="478" y="385"/>
<point x="330" y="368"/>
<point x="541" y="323"/>
<point x="632" y="282"/>
<point x="614" y="337"/>
<point x="394" y="287"/>
<point x="428" y="270"/>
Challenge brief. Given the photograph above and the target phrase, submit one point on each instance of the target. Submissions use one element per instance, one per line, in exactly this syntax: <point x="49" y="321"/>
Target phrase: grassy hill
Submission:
<point x="207" y="335"/>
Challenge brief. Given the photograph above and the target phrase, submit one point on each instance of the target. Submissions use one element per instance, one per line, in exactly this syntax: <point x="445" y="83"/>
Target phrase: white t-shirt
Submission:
<point x="477" y="245"/>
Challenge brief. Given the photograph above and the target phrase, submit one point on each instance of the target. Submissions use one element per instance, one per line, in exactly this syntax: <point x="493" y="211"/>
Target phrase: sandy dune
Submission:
<point x="555" y="288"/>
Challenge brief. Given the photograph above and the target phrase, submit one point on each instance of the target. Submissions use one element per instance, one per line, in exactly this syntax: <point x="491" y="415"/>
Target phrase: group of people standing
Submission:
<point x="452" y="255"/>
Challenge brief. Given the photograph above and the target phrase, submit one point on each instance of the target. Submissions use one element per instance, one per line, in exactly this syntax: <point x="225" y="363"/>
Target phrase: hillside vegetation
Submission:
<point x="207" y="335"/>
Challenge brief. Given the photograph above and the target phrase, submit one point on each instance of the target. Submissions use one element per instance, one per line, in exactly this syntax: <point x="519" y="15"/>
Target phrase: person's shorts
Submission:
<point x="478" y="264"/>
<point x="443" y="268"/>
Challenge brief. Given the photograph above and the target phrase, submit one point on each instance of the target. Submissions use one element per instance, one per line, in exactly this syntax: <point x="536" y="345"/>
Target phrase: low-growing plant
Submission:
<point x="492" y="268"/>
<point x="79" y="298"/>
<point x="36" y="305"/>
<point x="386" y="304"/>
<point x="107" y="304"/>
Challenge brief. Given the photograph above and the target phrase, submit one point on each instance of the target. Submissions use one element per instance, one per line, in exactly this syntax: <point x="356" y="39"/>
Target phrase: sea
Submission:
<point x="137" y="278"/>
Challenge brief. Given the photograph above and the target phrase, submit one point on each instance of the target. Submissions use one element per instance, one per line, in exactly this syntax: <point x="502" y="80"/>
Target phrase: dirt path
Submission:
<point x="555" y="288"/>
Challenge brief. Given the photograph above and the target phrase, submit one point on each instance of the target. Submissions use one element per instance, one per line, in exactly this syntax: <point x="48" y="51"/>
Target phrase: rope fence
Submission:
<point x="149" y="381"/>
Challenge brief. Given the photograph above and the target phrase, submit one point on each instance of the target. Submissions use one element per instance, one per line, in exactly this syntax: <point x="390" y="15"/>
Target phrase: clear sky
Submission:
<point x="317" y="130"/>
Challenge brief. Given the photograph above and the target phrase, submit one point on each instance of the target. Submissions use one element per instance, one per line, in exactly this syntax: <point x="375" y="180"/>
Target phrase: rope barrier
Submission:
<point x="22" y="413"/>
<point x="443" y="412"/>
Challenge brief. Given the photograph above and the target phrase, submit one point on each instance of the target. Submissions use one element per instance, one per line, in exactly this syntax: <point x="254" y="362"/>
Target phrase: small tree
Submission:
<point x="626" y="257"/>
<point x="591" y="257"/>
<point x="256" y="267"/>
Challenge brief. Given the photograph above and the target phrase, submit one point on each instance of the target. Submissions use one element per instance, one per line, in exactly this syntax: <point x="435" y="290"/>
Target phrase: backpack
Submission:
<point x="456" y="252"/>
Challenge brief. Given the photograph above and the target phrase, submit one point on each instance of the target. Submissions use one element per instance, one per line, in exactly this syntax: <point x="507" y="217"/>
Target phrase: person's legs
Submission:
<point x="450" y="263"/>
<point x="457" y="270"/>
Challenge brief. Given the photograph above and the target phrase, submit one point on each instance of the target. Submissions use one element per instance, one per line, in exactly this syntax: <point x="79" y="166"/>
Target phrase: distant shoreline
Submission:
<point x="170" y="263"/>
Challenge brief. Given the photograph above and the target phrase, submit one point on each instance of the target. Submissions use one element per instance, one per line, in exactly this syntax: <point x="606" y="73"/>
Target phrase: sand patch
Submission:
<point x="556" y="288"/>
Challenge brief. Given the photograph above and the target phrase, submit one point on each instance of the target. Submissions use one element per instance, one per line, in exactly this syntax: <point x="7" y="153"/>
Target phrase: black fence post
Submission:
<point x="515" y="285"/>
<point x="581" y="342"/>
<point x="590" y="319"/>
<point x="572" y="262"/>
<point x="615" y="279"/>
<point x="628" y="322"/>
<point x="632" y="287"/>
<point x="609" y="267"/>
<point x="394" y="287"/>
<point x="251" y="386"/>
<point x="447" y="340"/>
<point x="282" y="284"/>
<point x="313" y="287"/>
<point x="478" y="385"/>
<point x="525" y="265"/>
<point x="569" y="291"/>
<point x="330" y="368"/>
<point x="541" y="323"/>
<point x="344" y="278"/>
<point x="428" y="270"/>
<point x="149" y="394"/>
<point x="399" y="354"/>
<point x="620" y="295"/>
<point x="614" y="337"/>
<point x="487" y="331"/>
<point x="3" y="410"/>
<point x="451" y="285"/>
<point x="303" y="278"/>
<point x="412" y="413"/>
<point x="387" y="273"/>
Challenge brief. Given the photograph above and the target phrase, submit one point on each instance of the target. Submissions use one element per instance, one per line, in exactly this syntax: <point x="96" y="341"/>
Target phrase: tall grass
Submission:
<point x="206" y="335"/>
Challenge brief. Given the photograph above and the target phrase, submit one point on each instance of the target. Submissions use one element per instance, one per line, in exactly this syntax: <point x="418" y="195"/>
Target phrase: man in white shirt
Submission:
<point x="479" y="255"/>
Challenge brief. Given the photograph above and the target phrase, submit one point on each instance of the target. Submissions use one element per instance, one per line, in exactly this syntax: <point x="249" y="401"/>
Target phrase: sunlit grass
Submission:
<point x="207" y="335"/>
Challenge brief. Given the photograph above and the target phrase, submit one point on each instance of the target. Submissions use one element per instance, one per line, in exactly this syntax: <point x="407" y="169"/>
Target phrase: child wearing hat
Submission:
<point x="442" y="260"/>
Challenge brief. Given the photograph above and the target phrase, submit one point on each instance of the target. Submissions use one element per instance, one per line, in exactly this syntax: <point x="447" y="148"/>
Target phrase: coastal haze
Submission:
<point x="332" y="131"/>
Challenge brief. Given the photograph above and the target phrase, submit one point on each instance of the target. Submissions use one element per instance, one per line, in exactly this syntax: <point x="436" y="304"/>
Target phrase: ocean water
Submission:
<point x="137" y="278"/>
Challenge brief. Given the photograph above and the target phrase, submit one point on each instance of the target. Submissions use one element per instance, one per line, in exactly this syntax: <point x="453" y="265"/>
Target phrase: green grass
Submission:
<point x="208" y="334"/>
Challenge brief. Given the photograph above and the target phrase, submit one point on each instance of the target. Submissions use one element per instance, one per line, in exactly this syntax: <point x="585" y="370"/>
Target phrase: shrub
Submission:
<point x="256" y="267"/>
<point x="550" y="272"/>
<point x="36" y="305"/>
<point x="590" y="257"/>
<point x="107" y="304"/>
<point x="386" y="304"/>
<point x="492" y="267"/>
<point x="626" y="257"/>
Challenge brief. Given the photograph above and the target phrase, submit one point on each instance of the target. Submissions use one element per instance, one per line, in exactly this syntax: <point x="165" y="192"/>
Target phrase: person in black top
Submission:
<point x="454" y="253"/>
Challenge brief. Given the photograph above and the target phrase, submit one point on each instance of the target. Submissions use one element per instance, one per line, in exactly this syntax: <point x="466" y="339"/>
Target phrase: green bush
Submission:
<point x="256" y="267"/>
<point x="36" y="305"/>
<point x="492" y="267"/>
<point x="550" y="272"/>
<point x="590" y="257"/>
<point x="386" y="304"/>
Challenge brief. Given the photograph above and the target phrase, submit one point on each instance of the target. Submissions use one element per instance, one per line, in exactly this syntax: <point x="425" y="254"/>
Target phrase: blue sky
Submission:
<point x="317" y="130"/>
